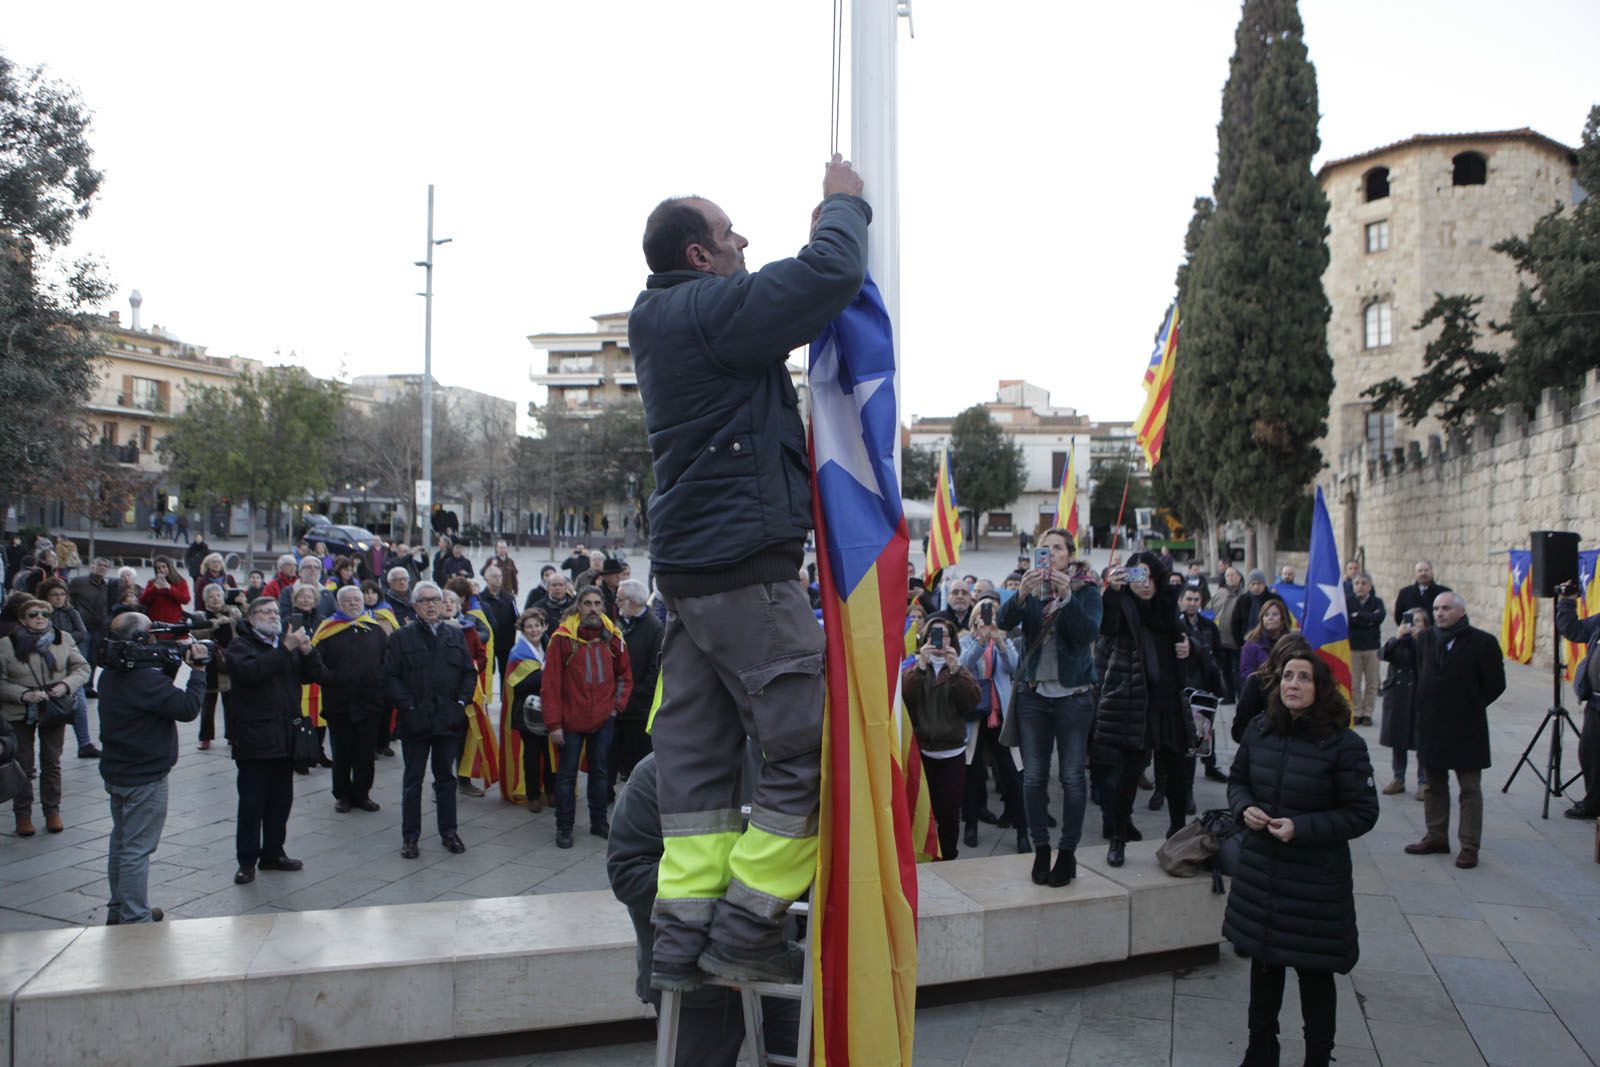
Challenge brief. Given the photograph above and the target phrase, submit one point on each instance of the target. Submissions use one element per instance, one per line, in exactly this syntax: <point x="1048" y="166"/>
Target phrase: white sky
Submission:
<point x="266" y="166"/>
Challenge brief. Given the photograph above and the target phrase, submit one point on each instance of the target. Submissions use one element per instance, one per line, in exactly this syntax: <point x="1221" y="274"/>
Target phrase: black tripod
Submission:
<point x="1555" y="717"/>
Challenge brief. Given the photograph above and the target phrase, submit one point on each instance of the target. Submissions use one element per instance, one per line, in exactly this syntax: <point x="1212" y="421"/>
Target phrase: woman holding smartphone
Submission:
<point x="1302" y="786"/>
<point x="939" y="695"/>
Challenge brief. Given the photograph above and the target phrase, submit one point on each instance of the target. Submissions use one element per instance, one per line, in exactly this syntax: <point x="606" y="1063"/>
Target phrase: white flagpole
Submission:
<point x="875" y="149"/>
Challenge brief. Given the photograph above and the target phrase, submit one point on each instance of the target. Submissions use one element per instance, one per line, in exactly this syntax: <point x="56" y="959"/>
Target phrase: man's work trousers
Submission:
<point x="138" y="813"/>
<point x="745" y="662"/>
<point x="1364" y="682"/>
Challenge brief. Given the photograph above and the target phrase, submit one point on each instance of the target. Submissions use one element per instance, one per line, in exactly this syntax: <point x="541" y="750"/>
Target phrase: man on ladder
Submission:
<point x="729" y="517"/>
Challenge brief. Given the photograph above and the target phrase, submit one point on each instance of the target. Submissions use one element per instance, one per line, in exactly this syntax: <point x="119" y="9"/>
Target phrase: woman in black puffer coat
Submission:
<point x="1302" y="786"/>
<point x="1140" y="711"/>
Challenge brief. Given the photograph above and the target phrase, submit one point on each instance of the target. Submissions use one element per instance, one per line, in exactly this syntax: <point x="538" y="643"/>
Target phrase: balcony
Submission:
<point x="128" y="453"/>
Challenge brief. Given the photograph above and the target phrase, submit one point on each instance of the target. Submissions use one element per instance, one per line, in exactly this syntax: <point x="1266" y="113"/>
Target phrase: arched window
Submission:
<point x="1469" y="168"/>
<point x="1377" y="183"/>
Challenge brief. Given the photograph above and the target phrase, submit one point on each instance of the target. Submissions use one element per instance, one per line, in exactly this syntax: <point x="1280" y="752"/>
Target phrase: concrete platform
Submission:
<point x="216" y="990"/>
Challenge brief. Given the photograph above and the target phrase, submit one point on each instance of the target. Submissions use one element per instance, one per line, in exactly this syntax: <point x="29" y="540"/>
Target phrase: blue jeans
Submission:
<point x="138" y="814"/>
<point x="80" y="717"/>
<point x="567" y="775"/>
<point x="1061" y="723"/>
<point x="1398" y="762"/>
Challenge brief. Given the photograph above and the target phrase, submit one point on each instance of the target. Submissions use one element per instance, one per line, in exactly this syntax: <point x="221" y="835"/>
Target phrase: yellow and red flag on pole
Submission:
<point x="1517" y="623"/>
<point x="1588" y="593"/>
<point x="944" y="536"/>
<point x="1323" y="619"/>
<point x="1067" y="499"/>
<point x="1151" y="425"/>
<point x="864" y="904"/>
<point x="480" y="754"/>
<point x="311" y="695"/>
<point x="523" y="661"/>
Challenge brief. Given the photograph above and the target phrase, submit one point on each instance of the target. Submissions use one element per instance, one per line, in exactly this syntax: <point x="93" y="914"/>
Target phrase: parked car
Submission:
<point x="357" y="542"/>
<point x="310" y="522"/>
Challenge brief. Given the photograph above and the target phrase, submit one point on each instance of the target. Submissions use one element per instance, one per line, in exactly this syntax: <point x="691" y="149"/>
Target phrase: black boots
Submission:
<point x="1041" y="864"/>
<point x="1263" y="1050"/>
<point x="1114" y="855"/>
<point x="971" y="837"/>
<point x="1066" y="868"/>
<point x="1318" y="1053"/>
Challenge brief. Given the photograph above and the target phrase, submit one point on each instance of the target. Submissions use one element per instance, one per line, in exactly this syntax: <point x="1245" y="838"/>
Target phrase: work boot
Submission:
<point x="1393" y="788"/>
<point x="1114" y="854"/>
<point x="53" y="823"/>
<point x="25" y="826"/>
<point x="1041" y="864"/>
<point x="675" y="976"/>
<point x="780" y="963"/>
<point x="1467" y="858"/>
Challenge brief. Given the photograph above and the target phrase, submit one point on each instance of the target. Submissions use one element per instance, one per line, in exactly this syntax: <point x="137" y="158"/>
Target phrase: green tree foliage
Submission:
<point x="1256" y="315"/>
<point x="584" y="462"/>
<point x="1459" y="381"/>
<point x="267" y="438"/>
<point x="1555" y="319"/>
<point x="919" y="472"/>
<point x="49" y="351"/>
<point x="986" y="464"/>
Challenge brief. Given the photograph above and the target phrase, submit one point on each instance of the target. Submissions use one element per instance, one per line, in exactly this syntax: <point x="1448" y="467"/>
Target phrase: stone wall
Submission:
<point x="1462" y="502"/>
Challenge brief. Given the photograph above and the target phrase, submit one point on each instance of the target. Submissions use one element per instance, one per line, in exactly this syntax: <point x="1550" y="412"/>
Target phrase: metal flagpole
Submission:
<point x="424" y="488"/>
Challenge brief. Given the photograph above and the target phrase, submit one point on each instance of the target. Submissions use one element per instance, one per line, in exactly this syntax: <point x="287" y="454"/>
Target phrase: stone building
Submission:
<point x="1047" y="435"/>
<point x="1406" y="221"/>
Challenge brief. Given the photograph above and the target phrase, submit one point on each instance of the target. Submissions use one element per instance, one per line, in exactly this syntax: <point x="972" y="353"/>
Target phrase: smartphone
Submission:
<point x="986" y="613"/>
<point x="1041" y="558"/>
<point x="1137" y="573"/>
<point x="936" y="637"/>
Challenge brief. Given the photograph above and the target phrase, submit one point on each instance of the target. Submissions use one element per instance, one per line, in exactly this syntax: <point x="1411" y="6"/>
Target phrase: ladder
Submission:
<point x="755" y="1043"/>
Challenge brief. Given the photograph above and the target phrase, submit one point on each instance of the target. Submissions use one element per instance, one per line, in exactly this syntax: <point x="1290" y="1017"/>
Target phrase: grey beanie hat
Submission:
<point x="1257" y="575"/>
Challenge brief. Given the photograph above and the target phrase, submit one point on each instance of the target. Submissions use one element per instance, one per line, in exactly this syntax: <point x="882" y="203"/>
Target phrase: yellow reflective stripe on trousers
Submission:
<point x="655" y="704"/>
<point x="694" y="866"/>
<point x="781" y="867"/>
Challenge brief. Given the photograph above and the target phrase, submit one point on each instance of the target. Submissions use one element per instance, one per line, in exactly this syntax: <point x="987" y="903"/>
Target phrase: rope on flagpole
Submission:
<point x="836" y="75"/>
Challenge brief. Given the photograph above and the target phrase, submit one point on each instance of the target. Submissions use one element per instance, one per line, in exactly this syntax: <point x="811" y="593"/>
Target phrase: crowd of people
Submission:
<point x="330" y="663"/>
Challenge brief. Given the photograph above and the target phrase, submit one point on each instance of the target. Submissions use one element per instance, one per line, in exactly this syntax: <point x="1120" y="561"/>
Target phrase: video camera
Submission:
<point x="147" y="650"/>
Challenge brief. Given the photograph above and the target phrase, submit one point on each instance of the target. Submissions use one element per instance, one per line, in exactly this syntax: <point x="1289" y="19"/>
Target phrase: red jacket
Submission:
<point x="587" y="678"/>
<point x="165" y="605"/>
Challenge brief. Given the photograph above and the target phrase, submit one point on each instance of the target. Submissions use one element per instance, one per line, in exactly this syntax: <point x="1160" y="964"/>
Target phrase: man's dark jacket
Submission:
<point x="1454" y="691"/>
<point x="733" y="483"/>
<point x="428" y="678"/>
<point x="501" y="608"/>
<point x="1366" y="622"/>
<point x="1415" y="596"/>
<point x="643" y="634"/>
<point x="139" y="713"/>
<point x="400" y="605"/>
<point x="265" y="695"/>
<point x="1200" y="670"/>
<point x="352" y="673"/>
<point x="1587" y="633"/>
<point x="87" y="593"/>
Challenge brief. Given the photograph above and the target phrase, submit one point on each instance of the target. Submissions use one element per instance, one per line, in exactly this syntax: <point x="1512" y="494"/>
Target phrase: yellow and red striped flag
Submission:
<point x="1151" y="425"/>
<point x="1517" y="624"/>
<point x="944" y="536"/>
<point x="480" y="754"/>
<point x="1067" y="500"/>
<point x="523" y="662"/>
<point x="864" y="904"/>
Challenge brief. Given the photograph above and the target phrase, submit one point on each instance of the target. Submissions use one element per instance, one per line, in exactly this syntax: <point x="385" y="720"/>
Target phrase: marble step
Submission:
<point x="199" y="991"/>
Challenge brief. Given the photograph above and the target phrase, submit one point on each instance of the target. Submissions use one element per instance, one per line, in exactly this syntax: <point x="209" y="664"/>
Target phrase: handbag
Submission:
<point x="1210" y="842"/>
<point x="13" y="780"/>
<point x="56" y="711"/>
<point x="303" y="747"/>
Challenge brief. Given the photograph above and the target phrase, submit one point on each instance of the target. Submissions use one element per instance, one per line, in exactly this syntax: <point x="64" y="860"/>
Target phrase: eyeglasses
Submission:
<point x="36" y="615"/>
<point x="429" y="599"/>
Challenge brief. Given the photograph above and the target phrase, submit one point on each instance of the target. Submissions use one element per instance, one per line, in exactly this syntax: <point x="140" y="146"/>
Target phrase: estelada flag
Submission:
<point x="311" y="695"/>
<point x="944" y="536"/>
<point x="1588" y="593"/>
<point x="864" y="905"/>
<point x="1151" y="426"/>
<point x="1325" y="624"/>
<point x="522" y="662"/>
<point x="1067" y="499"/>
<point x="480" y="755"/>
<point x="1517" y="622"/>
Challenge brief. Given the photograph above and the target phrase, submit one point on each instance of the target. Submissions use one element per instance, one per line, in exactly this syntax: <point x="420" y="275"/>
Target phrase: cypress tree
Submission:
<point x="1256" y="315"/>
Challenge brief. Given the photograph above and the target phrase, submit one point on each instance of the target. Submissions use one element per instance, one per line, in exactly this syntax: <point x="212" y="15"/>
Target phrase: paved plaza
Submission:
<point x="1493" y="965"/>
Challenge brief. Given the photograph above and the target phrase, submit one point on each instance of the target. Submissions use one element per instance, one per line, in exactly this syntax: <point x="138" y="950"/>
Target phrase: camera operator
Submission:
<point x="1587" y="682"/>
<point x="140" y="707"/>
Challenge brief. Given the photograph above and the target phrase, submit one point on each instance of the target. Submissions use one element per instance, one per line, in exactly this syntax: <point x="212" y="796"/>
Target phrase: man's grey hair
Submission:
<point x="287" y="557"/>
<point x="129" y="625"/>
<point x="1364" y="576"/>
<point x="1454" y="598"/>
<point x="311" y="563"/>
<point x="426" y="587"/>
<point x="339" y="597"/>
<point x="303" y="587"/>
<point x="99" y="560"/>
<point x="633" y="591"/>
<point x="398" y="572"/>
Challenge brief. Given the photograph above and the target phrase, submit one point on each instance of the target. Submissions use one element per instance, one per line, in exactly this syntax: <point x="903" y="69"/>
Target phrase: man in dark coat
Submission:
<point x="1587" y="633"/>
<point x="642" y="632"/>
<point x="1364" y="610"/>
<point x="1460" y="672"/>
<point x="428" y="678"/>
<point x="267" y="667"/>
<point x="1421" y="595"/>
<point x="500" y="605"/>
<point x="1198" y="662"/>
<point x="351" y="647"/>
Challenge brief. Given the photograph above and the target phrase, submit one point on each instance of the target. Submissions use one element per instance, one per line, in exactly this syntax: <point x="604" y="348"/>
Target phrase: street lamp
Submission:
<point x="427" y="363"/>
